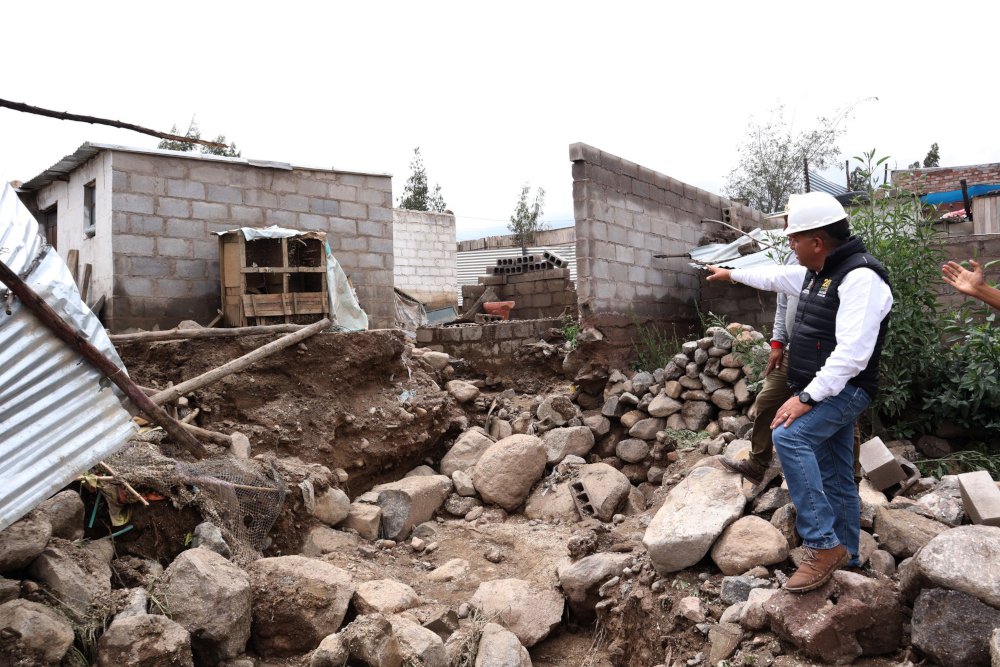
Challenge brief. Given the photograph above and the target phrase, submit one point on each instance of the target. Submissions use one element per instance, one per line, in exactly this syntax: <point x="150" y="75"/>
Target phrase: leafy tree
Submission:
<point x="770" y="165"/>
<point x="524" y="223"/>
<point x="417" y="196"/>
<point x="195" y="133"/>
<point x="932" y="159"/>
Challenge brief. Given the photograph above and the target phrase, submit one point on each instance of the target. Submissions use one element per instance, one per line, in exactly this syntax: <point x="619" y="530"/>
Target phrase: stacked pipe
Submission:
<point x="534" y="262"/>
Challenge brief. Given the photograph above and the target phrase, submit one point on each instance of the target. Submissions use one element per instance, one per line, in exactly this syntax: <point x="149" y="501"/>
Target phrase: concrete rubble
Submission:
<point x="532" y="517"/>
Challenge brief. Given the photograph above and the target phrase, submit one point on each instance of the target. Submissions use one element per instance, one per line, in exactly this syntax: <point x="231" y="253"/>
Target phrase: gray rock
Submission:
<point x="457" y="505"/>
<point x="556" y="410"/>
<point x="365" y="519"/>
<point x="995" y="648"/>
<point x="499" y="647"/>
<point x="211" y="599"/>
<point x="871" y="500"/>
<point x="848" y="617"/>
<point x="697" y="414"/>
<point x="40" y="634"/>
<point x="771" y="500"/>
<point x="562" y="442"/>
<point x="556" y="502"/>
<point x="465" y="452"/>
<point x="605" y="488"/>
<point x="692" y="517"/>
<point x="632" y="450"/>
<point x="598" y="424"/>
<point x="724" y="639"/>
<point x="462" y="481"/>
<point x="752" y="615"/>
<point x="436" y="360"/>
<point x="737" y="588"/>
<point x="208" y="536"/>
<point x="529" y="611"/>
<point x="421" y="471"/>
<point x="9" y="590"/>
<point x="500" y="429"/>
<point x="933" y="447"/>
<point x="462" y="391"/>
<point x="65" y="514"/>
<point x="145" y="641"/>
<point x="747" y="543"/>
<point x="456" y="568"/>
<point x="953" y="628"/>
<point x="332" y="506"/>
<point x="418" y="645"/>
<point x="581" y="580"/>
<point x="940" y="506"/>
<point x="137" y="604"/>
<point x="331" y="652"/>
<point x="964" y="559"/>
<point x="371" y="641"/>
<point x="507" y="470"/>
<point x="902" y="533"/>
<point x="710" y="384"/>
<point x="384" y="596"/>
<point x="645" y="429"/>
<point x="664" y="405"/>
<point x="23" y="541"/>
<point x="882" y="562"/>
<point x="410" y="501"/>
<point x="641" y="382"/>
<point x="77" y="576"/>
<point x="613" y="408"/>
<point x="297" y="602"/>
<point x="725" y="399"/>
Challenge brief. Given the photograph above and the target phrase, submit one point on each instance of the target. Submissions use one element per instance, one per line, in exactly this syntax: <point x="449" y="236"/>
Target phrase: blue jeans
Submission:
<point x="817" y="458"/>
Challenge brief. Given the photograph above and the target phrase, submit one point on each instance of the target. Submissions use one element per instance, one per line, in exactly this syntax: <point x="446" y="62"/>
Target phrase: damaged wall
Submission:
<point x="494" y="346"/>
<point x="424" y="264"/>
<point x="625" y="214"/>
<point x="159" y="258"/>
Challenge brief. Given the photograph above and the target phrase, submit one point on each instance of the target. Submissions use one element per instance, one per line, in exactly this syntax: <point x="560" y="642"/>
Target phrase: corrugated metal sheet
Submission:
<point x="58" y="416"/>
<point x="727" y="255"/>
<point x="475" y="263"/>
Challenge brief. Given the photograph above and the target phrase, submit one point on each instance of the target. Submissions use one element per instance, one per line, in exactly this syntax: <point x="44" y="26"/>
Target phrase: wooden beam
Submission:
<point x="186" y="334"/>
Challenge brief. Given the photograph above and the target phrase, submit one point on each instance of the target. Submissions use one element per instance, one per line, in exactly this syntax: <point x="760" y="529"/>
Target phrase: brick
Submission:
<point x="980" y="497"/>
<point x="224" y="194"/>
<point x="209" y="211"/>
<point x="324" y="206"/>
<point x="145" y="225"/>
<point x="342" y="192"/>
<point x="380" y="214"/>
<point x="207" y="248"/>
<point x="310" y="222"/>
<point x="145" y="184"/>
<point x="154" y="267"/>
<point x="370" y="261"/>
<point x="173" y="247"/>
<point x="210" y="173"/>
<point x="342" y="227"/>
<point x="353" y="210"/>
<point x="132" y="162"/>
<point x="260" y="198"/>
<point x="133" y="245"/>
<point x="296" y="203"/>
<point x="130" y="203"/>
<point x="192" y="268"/>
<point x="185" y="189"/>
<point x="374" y="228"/>
<point x="353" y="244"/>
<point x="133" y="286"/>
<point x="311" y="188"/>
<point x="246" y="214"/>
<point x="173" y="208"/>
<point x="282" y="218"/>
<point x="185" y="229"/>
<point x="173" y="288"/>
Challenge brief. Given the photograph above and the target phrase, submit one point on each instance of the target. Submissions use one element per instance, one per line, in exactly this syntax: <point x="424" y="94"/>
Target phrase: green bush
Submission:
<point x="653" y="347"/>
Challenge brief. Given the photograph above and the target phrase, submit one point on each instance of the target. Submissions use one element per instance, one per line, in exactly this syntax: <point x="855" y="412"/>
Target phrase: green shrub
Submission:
<point x="653" y="347"/>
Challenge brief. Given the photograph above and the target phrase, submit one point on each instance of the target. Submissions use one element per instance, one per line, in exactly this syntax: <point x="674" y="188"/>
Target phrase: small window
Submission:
<point x="50" y="217"/>
<point x="89" y="217"/>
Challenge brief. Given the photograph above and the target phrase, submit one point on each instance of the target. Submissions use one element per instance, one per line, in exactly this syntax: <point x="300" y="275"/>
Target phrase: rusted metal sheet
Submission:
<point x="58" y="415"/>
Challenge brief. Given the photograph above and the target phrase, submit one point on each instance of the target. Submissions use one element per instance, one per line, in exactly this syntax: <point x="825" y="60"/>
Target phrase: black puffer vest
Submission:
<point x="815" y="336"/>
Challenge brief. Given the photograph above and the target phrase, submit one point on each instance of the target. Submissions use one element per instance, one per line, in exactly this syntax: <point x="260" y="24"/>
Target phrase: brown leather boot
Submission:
<point x="816" y="568"/>
<point x="745" y="467"/>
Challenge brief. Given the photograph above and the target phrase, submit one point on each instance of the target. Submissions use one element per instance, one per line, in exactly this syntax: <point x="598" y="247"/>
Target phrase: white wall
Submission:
<point x="423" y="248"/>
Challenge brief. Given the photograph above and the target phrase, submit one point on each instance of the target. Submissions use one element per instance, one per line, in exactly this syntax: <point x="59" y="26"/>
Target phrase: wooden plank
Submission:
<point x="282" y="269"/>
<point x="186" y="334"/>
<point x="85" y="282"/>
<point x="73" y="262"/>
<point x="282" y="305"/>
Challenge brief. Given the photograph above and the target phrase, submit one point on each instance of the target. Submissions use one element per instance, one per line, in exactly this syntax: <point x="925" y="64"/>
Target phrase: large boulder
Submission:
<point x="410" y="501"/>
<point x="34" y="633"/>
<point x="65" y="514"/>
<point x="384" y="596"/>
<point x="462" y="391"/>
<point x="322" y="540"/>
<point x="964" y="559"/>
<point x="605" y="487"/>
<point x="332" y="506"/>
<point x="297" y="601"/>
<point x="498" y="647"/>
<point x="465" y="452"/>
<point x="331" y="652"/>
<point x="529" y="611"/>
<point x="692" y="517"/>
<point x="953" y="628"/>
<point x="77" y="575"/>
<point x="370" y="641"/>
<point x="507" y="470"/>
<point x="23" y="541"/>
<point x="417" y="644"/>
<point x="211" y="599"/>
<point x="747" y="543"/>
<point x="902" y="533"/>
<point x="145" y="641"/>
<point x="555" y="411"/>
<point x="581" y="580"/>
<point x="571" y="440"/>
<point x="848" y="617"/>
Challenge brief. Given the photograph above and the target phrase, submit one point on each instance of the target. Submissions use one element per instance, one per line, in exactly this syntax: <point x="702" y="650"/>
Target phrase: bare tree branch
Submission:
<point x="64" y="115"/>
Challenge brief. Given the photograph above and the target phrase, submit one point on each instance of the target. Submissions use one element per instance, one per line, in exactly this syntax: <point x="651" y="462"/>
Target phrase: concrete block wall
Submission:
<point x="492" y="346"/>
<point x="625" y="214"/>
<point x="424" y="249"/>
<point x="944" y="179"/>
<point x="982" y="248"/>
<point x="536" y="294"/>
<point x="166" y="208"/>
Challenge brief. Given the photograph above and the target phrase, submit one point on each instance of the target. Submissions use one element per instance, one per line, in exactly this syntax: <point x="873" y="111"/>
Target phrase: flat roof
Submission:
<point x="61" y="169"/>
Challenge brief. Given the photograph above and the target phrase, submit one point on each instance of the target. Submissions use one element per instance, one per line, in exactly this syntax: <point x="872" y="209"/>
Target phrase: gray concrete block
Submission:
<point x="246" y="214"/>
<point x="311" y="188"/>
<point x="192" y="268"/>
<point x="223" y="194"/>
<point x="153" y="267"/>
<point x="145" y="225"/>
<point x="185" y="229"/>
<point x="261" y="198"/>
<point x="133" y="245"/>
<point x="374" y="228"/>
<point x="296" y="203"/>
<point x="211" y="173"/>
<point x="209" y="211"/>
<point x="207" y="248"/>
<point x="380" y="214"/>
<point x="132" y="203"/>
<point x="342" y="192"/>
<point x="381" y="183"/>
<point x="354" y="210"/>
<point x="170" y="247"/>
<point x="185" y="189"/>
<point x="282" y="218"/>
<point x="172" y="288"/>
<point x="324" y="206"/>
<point x="879" y="465"/>
<point x="312" y="222"/>
<point x="173" y="208"/>
<point x="145" y="184"/>
<point x="980" y="497"/>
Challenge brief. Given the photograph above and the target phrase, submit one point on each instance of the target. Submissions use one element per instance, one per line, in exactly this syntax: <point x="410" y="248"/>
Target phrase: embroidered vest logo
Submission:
<point x="824" y="287"/>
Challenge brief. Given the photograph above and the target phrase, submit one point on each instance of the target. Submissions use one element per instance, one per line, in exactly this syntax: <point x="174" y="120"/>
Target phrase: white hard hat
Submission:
<point x="812" y="210"/>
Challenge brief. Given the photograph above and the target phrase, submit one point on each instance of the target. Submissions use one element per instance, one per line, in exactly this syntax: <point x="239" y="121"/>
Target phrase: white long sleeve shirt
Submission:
<point x="865" y="300"/>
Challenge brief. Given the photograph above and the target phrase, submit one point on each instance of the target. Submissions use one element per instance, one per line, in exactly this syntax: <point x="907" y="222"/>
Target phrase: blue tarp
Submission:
<point x="953" y="196"/>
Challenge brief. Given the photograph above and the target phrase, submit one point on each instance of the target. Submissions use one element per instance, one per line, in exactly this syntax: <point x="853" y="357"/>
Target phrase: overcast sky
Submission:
<point x="493" y="95"/>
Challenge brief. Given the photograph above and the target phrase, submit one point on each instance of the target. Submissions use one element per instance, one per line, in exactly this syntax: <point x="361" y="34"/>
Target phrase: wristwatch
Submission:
<point x="807" y="399"/>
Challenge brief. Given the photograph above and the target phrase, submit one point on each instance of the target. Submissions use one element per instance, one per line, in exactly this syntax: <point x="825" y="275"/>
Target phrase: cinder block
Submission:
<point x="981" y="497"/>
<point x="133" y="203"/>
<point x="186" y="189"/>
<point x="425" y="335"/>
<point x="879" y="465"/>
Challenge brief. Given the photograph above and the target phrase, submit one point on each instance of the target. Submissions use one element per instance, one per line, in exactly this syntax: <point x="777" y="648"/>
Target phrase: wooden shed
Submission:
<point x="270" y="280"/>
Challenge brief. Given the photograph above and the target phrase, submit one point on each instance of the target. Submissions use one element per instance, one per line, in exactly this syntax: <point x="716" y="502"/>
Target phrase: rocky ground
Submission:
<point x="433" y="515"/>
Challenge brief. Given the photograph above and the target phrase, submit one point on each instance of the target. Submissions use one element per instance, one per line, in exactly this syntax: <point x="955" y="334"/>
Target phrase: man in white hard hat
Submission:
<point x="840" y="326"/>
